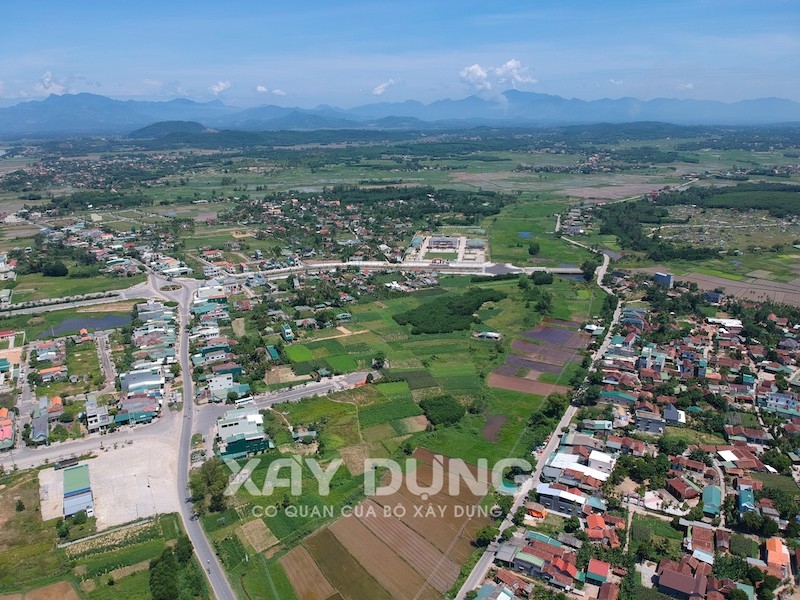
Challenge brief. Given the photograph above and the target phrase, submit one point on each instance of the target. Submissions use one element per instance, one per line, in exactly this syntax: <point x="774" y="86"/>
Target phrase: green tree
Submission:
<point x="485" y="535"/>
<point x="533" y="248"/>
<point x="588" y="267"/>
<point x="55" y="269"/>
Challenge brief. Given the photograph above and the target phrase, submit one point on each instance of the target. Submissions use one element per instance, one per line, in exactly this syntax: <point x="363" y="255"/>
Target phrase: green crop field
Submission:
<point x="388" y="411"/>
<point x="395" y="390"/>
<point x="298" y="353"/>
<point x="342" y="363"/>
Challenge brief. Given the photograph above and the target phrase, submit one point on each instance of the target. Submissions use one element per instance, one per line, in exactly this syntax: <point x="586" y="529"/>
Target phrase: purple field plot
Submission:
<point x="518" y="361"/>
<point x="507" y="370"/>
<point x="554" y="355"/>
<point x="549" y="335"/>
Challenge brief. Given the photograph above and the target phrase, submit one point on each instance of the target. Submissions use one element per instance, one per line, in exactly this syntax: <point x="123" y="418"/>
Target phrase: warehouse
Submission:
<point x="77" y="491"/>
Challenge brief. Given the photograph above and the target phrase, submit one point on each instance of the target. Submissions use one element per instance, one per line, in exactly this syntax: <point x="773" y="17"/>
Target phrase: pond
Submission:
<point x="70" y="326"/>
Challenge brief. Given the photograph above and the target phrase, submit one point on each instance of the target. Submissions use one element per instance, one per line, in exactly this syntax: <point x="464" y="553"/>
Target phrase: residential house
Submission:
<point x="681" y="489"/>
<point x="777" y="558"/>
<point x="649" y="422"/>
<point x="597" y="571"/>
<point x="712" y="500"/>
<point x="679" y="580"/>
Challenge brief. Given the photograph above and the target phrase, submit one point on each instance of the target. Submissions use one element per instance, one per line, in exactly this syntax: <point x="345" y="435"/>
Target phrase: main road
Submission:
<point x="219" y="583"/>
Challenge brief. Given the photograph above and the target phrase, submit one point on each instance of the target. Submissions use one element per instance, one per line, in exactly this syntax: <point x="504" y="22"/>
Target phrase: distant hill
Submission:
<point x="164" y="128"/>
<point x="72" y="114"/>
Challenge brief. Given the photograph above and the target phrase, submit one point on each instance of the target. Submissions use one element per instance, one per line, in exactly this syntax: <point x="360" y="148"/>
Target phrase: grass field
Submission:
<point x="778" y="482"/>
<point x="298" y="353"/>
<point x="38" y="287"/>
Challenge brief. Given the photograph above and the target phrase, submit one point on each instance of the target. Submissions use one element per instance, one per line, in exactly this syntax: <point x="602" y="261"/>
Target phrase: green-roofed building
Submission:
<point x="712" y="500"/>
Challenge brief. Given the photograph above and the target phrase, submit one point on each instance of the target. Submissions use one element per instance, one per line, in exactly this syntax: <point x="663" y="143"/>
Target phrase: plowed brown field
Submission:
<point x="381" y="561"/>
<point x="418" y="552"/>
<point x="307" y="580"/>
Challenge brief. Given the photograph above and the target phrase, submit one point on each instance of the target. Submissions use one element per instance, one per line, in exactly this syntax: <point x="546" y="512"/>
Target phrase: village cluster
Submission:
<point x="675" y="469"/>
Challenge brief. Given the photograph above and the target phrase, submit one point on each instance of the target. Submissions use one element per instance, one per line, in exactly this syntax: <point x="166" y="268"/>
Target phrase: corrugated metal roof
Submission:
<point x="76" y="479"/>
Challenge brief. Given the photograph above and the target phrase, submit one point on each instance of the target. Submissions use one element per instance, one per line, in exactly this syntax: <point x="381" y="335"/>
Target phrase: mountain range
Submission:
<point x="91" y="114"/>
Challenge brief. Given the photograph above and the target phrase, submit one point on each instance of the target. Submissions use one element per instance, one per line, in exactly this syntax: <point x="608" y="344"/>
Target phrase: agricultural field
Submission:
<point x="391" y="549"/>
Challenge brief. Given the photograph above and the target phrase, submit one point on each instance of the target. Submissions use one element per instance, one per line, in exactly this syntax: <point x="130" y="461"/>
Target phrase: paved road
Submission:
<point x="215" y="573"/>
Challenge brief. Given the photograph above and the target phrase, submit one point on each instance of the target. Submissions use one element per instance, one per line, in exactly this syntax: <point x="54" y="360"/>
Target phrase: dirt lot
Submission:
<point x="381" y="561"/>
<point x="750" y="289"/>
<point x="283" y="375"/>
<point x="257" y="534"/>
<point x="110" y="307"/>
<point x="353" y="457"/>
<point x="128" y="483"/>
<point x="543" y="352"/>
<point x="492" y="427"/>
<point x="525" y="385"/>
<point x="62" y="590"/>
<point x="307" y="580"/>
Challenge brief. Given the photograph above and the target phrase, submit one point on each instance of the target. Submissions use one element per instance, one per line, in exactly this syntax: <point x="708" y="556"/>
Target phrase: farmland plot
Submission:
<point x="308" y="581"/>
<point x="381" y="561"/>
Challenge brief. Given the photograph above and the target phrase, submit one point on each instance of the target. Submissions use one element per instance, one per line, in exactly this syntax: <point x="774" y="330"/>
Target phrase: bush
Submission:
<point x="442" y="409"/>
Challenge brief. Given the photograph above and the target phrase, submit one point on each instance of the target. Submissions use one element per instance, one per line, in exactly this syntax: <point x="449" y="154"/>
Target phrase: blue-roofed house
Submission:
<point x="746" y="502"/>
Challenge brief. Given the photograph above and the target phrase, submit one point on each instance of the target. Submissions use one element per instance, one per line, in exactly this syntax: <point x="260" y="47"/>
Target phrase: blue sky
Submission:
<point x="351" y="52"/>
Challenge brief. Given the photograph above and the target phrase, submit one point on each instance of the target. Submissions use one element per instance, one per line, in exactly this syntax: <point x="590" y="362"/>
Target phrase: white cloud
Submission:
<point x="2" y="87"/>
<point x="262" y="89"/>
<point x="483" y="79"/>
<point x="380" y="89"/>
<point x="615" y="81"/>
<point x="50" y="85"/>
<point x="513" y="72"/>
<point x="477" y="77"/>
<point x="685" y="86"/>
<point x="219" y="87"/>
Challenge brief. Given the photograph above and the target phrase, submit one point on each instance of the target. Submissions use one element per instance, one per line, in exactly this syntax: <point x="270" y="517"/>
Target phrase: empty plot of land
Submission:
<point x="343" y="571"/>
<point x="305" y="576"/>
<point x="491" y="430"/>
<point x="548" y="335"/>
<point x="544" y="352"/>
<point x="524" y="385"/>
<point x="424" y="558"/>
<point x="559" y="337"/>
<point x="561" y="323"/>
<point x="62" y="590"/>
<point x="411" y="424"/>
<point x="134" y="481"/>
<point x="750" y="289"/>
<point x="542" y="367"/>
<point x="354" y="457"/>
<point x="257" y="534"/>
<point x="377" y="433"/>
<point x="391" y="571"/>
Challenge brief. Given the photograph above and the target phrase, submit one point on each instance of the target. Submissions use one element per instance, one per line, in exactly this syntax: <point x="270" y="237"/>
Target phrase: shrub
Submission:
<point x="442" y="409"/>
